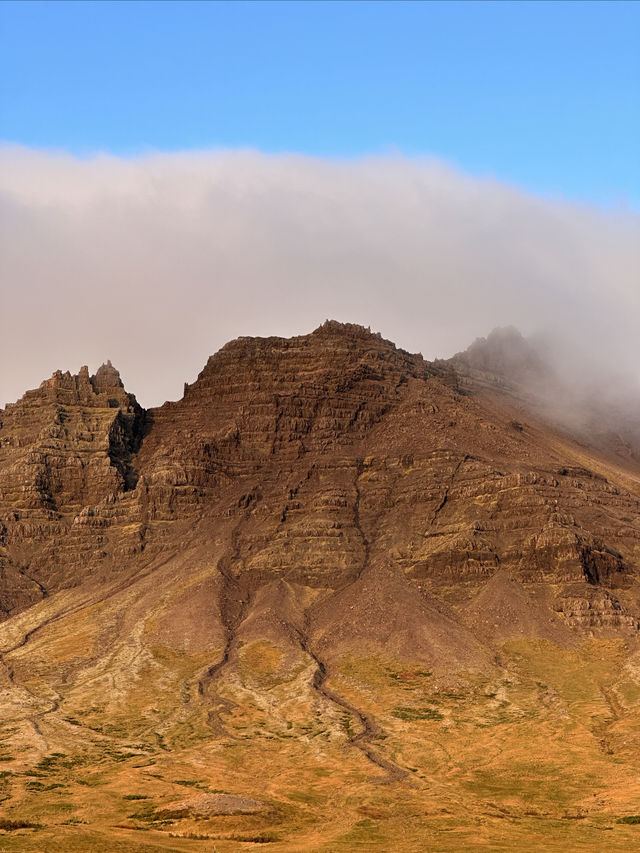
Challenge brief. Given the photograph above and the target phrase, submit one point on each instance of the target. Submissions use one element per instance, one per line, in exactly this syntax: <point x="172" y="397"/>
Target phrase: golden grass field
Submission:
<point x="542" y="754"/>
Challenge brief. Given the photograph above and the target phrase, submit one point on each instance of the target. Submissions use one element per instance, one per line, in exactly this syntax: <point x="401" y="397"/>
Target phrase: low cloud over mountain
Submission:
<point x="156" y="260"/>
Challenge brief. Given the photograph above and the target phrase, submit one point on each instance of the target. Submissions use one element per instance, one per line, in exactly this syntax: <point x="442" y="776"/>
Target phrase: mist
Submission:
<point x="155" y="261"/>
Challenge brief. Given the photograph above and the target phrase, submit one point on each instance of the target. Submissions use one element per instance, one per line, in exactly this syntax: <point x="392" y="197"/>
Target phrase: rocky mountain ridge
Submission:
<point x="330" y="567"/>
<point x="601" y="409"/>
<point x="320" y="447"/>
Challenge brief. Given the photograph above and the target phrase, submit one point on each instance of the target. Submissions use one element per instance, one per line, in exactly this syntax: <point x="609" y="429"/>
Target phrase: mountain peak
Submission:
<point x="106" y="378"/>
<point x="332" y="328"/>
<point x="104" y="389"/>
<point x="504" y="352"/>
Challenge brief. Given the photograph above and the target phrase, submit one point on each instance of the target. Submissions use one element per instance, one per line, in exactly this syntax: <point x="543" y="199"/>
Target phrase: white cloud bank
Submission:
<point x="157" y="261"/>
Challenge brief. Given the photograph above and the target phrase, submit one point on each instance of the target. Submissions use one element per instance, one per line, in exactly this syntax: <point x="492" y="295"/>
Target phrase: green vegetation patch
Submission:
<point x="403" y="712"/>
<point x="147" y="814"/>
<point x="12" y="825"/>
<point x="363" y="831"/>
<point x="544" y="785"/>
<point x="57" y="761"/>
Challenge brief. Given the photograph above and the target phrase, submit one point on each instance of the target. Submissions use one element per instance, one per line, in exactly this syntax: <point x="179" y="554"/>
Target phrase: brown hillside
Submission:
<point x="382" y="598"/>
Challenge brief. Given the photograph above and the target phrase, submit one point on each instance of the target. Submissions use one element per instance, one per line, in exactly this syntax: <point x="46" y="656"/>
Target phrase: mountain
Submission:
<point x="588" y="402"/>
<point x="352" y="599"/>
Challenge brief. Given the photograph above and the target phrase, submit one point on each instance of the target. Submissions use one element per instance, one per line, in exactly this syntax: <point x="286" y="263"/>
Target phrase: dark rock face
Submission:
<point x="318" y="460"/>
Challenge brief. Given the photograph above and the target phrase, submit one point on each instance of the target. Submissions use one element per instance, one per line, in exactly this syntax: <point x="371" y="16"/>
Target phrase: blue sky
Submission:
<point x="544" y="95"/>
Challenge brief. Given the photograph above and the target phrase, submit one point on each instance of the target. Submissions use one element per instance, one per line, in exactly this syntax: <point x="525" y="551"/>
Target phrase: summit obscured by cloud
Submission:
<point x="158" y="260"/>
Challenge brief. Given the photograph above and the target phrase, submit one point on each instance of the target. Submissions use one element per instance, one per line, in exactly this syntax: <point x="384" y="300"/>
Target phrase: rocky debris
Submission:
<point x="503" y="609"/>
<point x="210" y="805"/>
<point x="383" y="612"/>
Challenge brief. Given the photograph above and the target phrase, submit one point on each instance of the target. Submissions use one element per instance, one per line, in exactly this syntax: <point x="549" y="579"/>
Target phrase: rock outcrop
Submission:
<point x="311" y="458"/>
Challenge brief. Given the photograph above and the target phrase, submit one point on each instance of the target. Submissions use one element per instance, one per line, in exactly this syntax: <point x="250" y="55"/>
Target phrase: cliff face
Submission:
<point x="323" y="454"/>
<point x="64" y="448"/>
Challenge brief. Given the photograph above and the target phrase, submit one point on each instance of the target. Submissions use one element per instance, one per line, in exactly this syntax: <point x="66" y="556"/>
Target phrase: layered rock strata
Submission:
<point x="313" y="460"/>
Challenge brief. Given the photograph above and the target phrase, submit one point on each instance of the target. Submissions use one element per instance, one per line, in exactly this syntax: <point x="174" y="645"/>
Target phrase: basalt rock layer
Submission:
<point x="317" y="457"/>
<point x="313" y="512"/>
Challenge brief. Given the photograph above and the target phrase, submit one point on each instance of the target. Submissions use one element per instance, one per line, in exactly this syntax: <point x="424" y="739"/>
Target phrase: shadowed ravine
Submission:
<point x="370" y="729"/>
